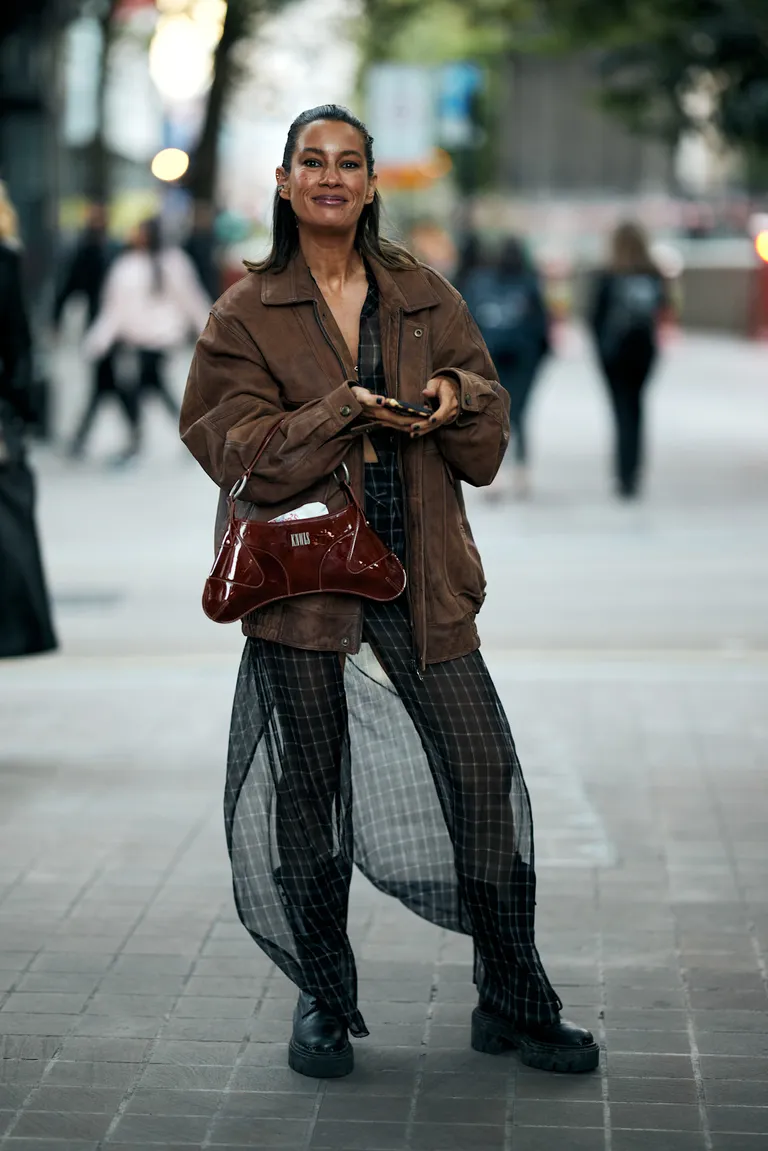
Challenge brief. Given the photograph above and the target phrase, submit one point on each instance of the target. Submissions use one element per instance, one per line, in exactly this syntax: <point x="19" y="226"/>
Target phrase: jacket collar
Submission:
<point x="406" y="288"/>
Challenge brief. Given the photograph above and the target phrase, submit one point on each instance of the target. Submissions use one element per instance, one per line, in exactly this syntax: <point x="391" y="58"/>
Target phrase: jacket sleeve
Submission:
<point x="475" y="443"/>
<point x="103" y="331"/>
<point x="188" y="290"/>
<point x="230" y="403"/>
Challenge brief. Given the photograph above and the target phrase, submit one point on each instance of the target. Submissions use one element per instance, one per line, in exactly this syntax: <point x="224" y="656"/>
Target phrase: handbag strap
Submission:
<point x="239" y="487"/>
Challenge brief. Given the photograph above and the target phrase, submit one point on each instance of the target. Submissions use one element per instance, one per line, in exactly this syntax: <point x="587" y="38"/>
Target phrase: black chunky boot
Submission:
<point x="559" y="1046"/>
<point x="319" y="1044"/>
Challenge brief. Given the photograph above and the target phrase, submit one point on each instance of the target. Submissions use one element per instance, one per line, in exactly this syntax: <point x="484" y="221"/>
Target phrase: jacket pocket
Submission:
<point x="455" y="577"/>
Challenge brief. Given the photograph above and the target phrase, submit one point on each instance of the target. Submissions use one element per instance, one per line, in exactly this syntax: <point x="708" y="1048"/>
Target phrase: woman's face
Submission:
<point x="328" y="184"/>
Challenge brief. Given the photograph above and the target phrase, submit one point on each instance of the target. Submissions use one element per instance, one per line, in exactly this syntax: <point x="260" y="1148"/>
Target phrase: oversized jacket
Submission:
<point x="271" y="347"/>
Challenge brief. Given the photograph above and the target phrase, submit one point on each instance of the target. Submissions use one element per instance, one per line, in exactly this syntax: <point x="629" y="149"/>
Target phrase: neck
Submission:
<point x="332" y="259"/>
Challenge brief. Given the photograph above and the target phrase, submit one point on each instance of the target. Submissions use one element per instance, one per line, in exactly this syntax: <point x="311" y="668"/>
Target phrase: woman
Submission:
<point x="627" y="302"/>
<point x="506" y="301"/>
<point x="25" y="615"/>
<point x="152" y="299"/>
<point x="313" y="338"/>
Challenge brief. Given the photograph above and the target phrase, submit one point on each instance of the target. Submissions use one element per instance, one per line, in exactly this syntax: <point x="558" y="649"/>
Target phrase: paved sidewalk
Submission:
<point x="630" y="647"/>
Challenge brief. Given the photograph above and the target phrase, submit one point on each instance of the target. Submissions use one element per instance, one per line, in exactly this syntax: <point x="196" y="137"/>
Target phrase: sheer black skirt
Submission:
<point x="413" y="777"/>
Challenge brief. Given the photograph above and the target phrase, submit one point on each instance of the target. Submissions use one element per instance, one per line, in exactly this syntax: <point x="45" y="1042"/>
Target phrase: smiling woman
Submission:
<point x="398" y="756"/>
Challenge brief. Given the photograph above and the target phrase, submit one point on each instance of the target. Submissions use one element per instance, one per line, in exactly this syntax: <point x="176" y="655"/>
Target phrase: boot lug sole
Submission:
<point x="492" y="1037"/>
<point x="321" y="1064"/>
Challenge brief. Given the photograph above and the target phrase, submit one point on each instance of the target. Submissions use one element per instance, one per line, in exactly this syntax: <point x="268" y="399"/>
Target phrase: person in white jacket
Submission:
<point x="152" y="301"/>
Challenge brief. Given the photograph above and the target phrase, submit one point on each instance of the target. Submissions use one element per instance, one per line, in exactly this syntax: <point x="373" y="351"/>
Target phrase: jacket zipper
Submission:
<point x="417" y="663"/>
<point x="343" y="367"/>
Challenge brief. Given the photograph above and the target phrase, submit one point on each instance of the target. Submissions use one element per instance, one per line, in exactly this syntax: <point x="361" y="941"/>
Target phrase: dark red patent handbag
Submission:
<point x="259" y="562"/>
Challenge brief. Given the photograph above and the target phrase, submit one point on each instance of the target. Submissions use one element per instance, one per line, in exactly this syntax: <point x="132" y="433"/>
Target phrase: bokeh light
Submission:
<point x="761" y="245"/>
<point x="170" y="164"/>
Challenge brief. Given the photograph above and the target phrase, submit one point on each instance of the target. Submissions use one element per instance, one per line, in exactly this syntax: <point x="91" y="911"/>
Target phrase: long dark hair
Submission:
<point x="630" y="250"/>
<point x="285" y="232"/>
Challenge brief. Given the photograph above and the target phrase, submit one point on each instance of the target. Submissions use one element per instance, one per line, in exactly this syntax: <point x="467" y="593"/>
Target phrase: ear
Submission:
<point x="372" y="185"/>
<point x="282" y="183"/>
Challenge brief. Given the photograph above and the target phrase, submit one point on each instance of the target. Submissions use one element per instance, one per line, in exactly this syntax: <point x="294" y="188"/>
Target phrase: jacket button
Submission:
<point x="467" y="399"/>
<point x="418" y="331"/>
<point x="345" y="642"/>
<point x="346" y="410"/>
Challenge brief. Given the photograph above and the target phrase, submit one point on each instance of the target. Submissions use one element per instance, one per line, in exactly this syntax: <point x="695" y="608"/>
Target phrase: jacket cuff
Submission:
<point x="469" y="390"/>
<point x="342" y="407"/>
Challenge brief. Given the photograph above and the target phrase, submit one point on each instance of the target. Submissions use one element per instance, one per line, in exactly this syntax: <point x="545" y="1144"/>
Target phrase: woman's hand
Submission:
<point x="446" y="392"/>
<point x="376" y="409"/>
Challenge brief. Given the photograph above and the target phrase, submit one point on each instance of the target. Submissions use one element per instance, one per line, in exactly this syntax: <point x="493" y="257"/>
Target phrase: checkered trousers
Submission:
<point x="414" y="778"/>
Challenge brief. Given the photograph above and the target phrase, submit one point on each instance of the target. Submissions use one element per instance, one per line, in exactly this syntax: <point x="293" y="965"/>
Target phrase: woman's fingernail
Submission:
<point x="432" y="420"/>
<point x="416" y="428"/>
<point x="379" y="400"/>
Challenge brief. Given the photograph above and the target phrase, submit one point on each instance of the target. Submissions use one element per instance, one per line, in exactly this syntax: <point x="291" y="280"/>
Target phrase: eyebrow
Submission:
<point x="346" y="152"/>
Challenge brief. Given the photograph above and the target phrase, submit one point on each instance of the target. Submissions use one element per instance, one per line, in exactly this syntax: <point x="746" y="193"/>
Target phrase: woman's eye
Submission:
<point x="307" y="163"/>
<point x="350" y="164"/>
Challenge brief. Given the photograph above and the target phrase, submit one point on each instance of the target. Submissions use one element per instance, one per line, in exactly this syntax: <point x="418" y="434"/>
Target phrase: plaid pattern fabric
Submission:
<point x="412" y="775"/>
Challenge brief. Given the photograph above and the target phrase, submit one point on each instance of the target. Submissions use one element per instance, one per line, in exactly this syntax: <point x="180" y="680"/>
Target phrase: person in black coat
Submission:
<point x="507" y="303"/>
<point x="25" y="617"/>
<point x="85" y="274"/>
<point x="628" y="299"/>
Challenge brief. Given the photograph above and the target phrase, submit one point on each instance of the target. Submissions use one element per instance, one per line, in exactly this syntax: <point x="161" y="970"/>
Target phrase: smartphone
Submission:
<point x="407" y="408"/>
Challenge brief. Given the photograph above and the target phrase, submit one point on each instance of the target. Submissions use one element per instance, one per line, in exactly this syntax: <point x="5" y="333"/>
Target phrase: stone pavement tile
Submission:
<point x="12" y="1096"/>
<point x="453" y="1137"/>
<point x="671" y="1066"/>
<point x="191" y="1052"/>
<point x="14" y="1144"/>
<point x="48" y="1002"/>
<point x="465" y="1061"/>
<point x="15" y="960"/>
<point x="565" y="1139"/>
<point x="93" y="1049"/>
<point x="557" y="1113"/>
<point x="13" y="1023"/>
<point x="202" y="1102"/>
<point x="268" y="1030"/>
<point x="225" y="966"/>
<point x="732" y="1043"/>
<point x="449" y="1035"/>
<point x="653" y="1042"/>
<point x="734" y="1067"/>
<point x="363" y="1107"/>
<point x="531" y="1084"/>
<point x="79" y="963"/>
<point x="152" y="965"/>
<point x="656" y="1116"/>
<point x="737" y="1092"/>
<point x="632" y="1019"/>
<point x="727" y="1142"/>
<point x="61" y="1125"/>
<point x="393" y="1084"/>
<point x="185" y="1077"/>
<point x="30" y="1046"/>
<point x="17" y="1071"/>
<point x="227" y="986"/>
<point x="397" y="1012"/>
<point x="437" y="1109"/>
<point x="753" y="1120"/>
<point x="742" y="1021"/>
<point x="653" y="1140"/>
<point x="107" y="945"/>
<point x="97" y="1100"/>
<point x="200" y="1007"/>
<point x="273" y="1054"/>
<point x="258" y="1132"/>
<point x="6" y="1119"/>
<point x="115" y="1027"/>
<point x="163" y="1129"/>
<point x="655" y="998"/>
<point x="729" y="997"/>
<point x="204" y="1030"/>
<point x="58" y="981"/>
<point x="123" y="1005"/>
<point x="140" y="983"/>
<point x="269" y="1105"/>
<point x="77" y="1074"/>
<point x="374" y="1060"/>
<point x="651" y="1090"/>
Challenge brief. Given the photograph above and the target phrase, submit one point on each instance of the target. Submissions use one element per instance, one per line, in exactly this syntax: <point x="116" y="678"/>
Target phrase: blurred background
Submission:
<point x="626" y="623"/>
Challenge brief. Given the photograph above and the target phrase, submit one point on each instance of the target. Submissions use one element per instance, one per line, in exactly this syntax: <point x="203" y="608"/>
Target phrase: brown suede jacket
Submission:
<point x="272" y="347"/>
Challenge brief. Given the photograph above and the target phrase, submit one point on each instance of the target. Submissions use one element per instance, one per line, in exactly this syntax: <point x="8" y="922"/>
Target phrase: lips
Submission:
<point x="329" y="201"/>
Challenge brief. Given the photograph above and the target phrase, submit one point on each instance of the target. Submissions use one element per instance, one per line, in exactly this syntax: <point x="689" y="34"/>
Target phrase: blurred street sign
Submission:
<point x="400" y="111"/>
<point x="458" y="84"/>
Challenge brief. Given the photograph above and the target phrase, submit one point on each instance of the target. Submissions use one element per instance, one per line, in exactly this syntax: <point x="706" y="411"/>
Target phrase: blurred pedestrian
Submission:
<point x="25" y="615"/>
<point x="203" y="250"/>
<point x="628" y="300"/>
<point x="295" y="377"/>
<point x="84" y="276"/>
<point x="152" y="302"/>
<point x="506" y="300"/>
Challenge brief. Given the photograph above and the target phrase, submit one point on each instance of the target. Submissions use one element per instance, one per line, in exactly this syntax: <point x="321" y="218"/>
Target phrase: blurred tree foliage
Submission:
<point x="661" y="65"/>
<point x="240" y="23"/>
